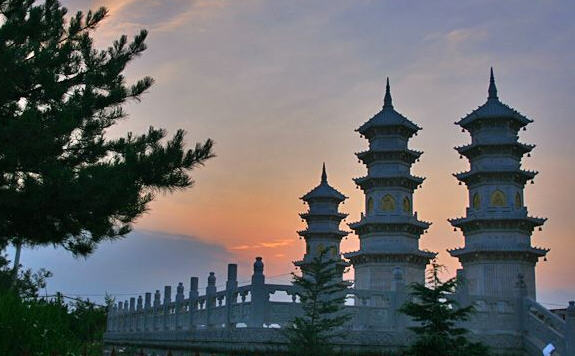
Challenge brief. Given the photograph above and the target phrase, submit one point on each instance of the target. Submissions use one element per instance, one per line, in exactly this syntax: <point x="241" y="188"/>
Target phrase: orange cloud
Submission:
<point x="273" y="244"/>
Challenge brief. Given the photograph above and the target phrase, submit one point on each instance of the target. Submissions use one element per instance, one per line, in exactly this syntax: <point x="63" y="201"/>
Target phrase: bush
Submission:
<point x="48" y="327"/>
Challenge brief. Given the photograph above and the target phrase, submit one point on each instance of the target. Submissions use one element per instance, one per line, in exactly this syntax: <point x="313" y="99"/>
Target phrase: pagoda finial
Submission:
<point x="387" y="98"/>
<point x="323" y="174"/>
<point x="492" y="87"/>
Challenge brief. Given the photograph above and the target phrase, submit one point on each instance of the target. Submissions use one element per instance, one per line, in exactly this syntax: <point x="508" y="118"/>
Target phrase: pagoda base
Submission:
<point x="382" y="271"/>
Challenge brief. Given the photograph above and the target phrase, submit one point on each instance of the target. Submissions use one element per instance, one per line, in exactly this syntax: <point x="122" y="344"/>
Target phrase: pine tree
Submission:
<point x="322" y="295"/>
<point x="438" y="313"/>
<point x="63" y="181"/>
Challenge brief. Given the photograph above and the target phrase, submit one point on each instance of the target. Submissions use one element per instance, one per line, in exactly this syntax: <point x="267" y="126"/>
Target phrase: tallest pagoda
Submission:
<point x="497" y="227"/>
<point x="389" y="230"/>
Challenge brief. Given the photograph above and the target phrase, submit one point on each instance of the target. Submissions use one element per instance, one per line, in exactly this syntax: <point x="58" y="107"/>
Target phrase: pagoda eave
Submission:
<point x="415" y="228"/>
<point x="409" y="182"/>
<point x="404" y="155"/>
<point x="475" y="224"/>
<point x="317" y="216"/>
<point x="473" y="177"/>
<point x="468" y="254"/>
<point x="325" y="233"/>
<point x="514" y="148"/>
<point x="417" y="257"/>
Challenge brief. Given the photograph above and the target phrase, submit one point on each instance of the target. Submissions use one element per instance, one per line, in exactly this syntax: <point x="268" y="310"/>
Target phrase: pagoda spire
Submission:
<point x="387" y="99"/>
<point x="323" y="174"/>
<point x="492" y="87"/>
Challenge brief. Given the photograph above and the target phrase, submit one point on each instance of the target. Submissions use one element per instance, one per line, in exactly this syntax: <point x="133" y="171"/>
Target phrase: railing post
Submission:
<point x="193" y="301"/>
<point x="231" y="286"/>
<point x="119" y="316"/>
<point x="167" y="301"/>
<point x="132" y="317"/>
<point x="157" y="304"/>
<point x="147" y="310"/>
<point x="570" y="329"/>
<point x="179" y="304"/>
<point x="139" y="314"/>
<point x="126" y="316"/>
<point x="260" y="295"/>
<point x="110" y="318"/>
<point x="210" y="298"/>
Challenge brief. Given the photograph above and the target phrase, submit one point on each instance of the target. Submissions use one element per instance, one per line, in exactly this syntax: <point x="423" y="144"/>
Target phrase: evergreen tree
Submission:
<point x="322" y="295"/>
<point x="63" y="181"/>
<point x="438" y="312"/>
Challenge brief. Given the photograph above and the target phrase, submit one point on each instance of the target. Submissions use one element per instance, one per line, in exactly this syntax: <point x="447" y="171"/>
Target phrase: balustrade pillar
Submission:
<point x="260" y="295"/>
<point x="139" y="314"/>
<point x="147" y="311"/>
<point x="210" y="298"/>
<point x="179" y="304"/>
<point x="231" y="287"/>
<point x="119" y="324"/>
<point x="132" y="314"/>
<point x="166" y="307"/>
<point x="118" y="318"/>
<point x="193" y="307"/>
<point x="157" y="306"/>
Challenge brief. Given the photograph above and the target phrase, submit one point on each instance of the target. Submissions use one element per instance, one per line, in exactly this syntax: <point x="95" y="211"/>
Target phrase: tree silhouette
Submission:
<point x="437" y="312"/>
<point x="63" y="181"/>
<point x="322" y="296"/>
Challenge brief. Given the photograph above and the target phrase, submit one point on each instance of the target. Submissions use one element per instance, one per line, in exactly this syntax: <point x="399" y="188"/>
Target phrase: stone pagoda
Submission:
<point x="497" y="227"/>
<point x="323" y="219"/>
<point x="389" y="231"/>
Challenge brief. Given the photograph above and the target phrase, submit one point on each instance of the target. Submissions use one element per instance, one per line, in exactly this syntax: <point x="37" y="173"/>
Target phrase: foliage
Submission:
<point x="322" y="296"/>
<point x="39" y="327"/>
<point x="63" y="180"/>
<point x="25" y="284"/>
<point x="438" y="314"/>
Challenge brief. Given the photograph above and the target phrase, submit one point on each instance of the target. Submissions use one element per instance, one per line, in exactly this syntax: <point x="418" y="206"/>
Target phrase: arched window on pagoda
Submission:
<point x="498" y="198"/>
<point x="369" y="205"/>
<point x="518" y="201"/>
<point x="476" y="201"/>
<point x="387" y="203"/>
<point x="406" y="205"/>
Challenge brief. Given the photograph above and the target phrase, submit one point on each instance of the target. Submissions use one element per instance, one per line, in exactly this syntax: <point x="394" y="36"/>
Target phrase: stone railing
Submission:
<point x="217" y="318"/>
<point x="243" y="306"/>
<point x="543" y="327"/>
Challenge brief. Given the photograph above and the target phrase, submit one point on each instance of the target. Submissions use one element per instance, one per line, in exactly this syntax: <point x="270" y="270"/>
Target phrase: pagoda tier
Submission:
<point x="420" y="258"/>
<point x="519" y="222"/>
<point x="403" y="224"/>
<point x="515" y="149"/>
<point x="475" y="177"/>
<point x="323" y="219"/>
<point x="389" y="230"/>
<point x="407" y="156"/>
<point x="404" y="181"/>
<point x="497" y="228"/>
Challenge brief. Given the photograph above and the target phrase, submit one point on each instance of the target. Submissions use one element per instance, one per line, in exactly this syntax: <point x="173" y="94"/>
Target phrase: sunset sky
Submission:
<point x="282" y="85"/>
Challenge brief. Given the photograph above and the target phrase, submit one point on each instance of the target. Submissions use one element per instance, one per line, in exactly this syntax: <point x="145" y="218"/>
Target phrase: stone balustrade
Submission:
<point x="158" y="319"/>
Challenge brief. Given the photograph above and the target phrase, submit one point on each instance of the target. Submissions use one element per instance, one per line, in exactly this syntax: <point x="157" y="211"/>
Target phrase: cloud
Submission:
<point x="142" y="262"/>
<point x="265" y="244"/>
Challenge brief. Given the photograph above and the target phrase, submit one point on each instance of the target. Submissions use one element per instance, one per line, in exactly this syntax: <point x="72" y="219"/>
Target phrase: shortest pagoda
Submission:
<point x="323" y="219"/>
